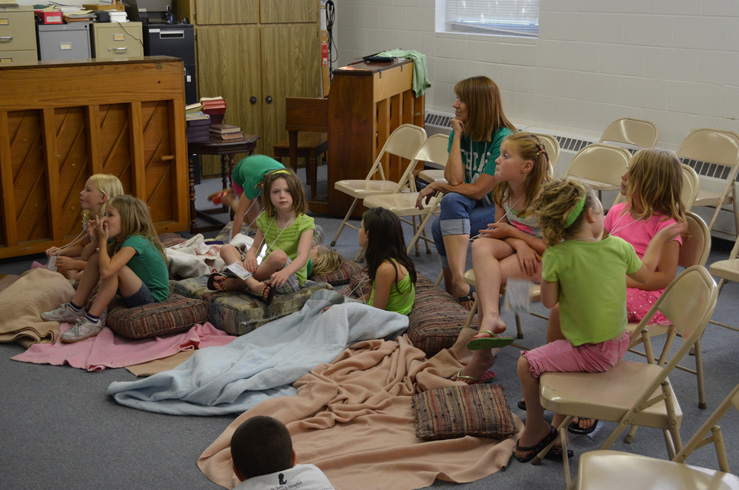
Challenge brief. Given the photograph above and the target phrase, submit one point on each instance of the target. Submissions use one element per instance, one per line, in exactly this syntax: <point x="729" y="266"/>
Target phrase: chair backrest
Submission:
<point x="600" y="163"/>
<point x="699" y="438"/>
<point x="690" y="186"/>
<point x="697" y="245"/>
<point x="633" y="132"/>
<point x="403" y="142"/>
<point x="688" y="302"/>
<point x="712" y="146"/>
<point x="552" y="146"/>
<point x="434" y="150"/>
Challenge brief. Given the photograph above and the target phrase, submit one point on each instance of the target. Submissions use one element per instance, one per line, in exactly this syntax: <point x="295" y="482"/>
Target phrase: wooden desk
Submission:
<point x="227" y="150"/>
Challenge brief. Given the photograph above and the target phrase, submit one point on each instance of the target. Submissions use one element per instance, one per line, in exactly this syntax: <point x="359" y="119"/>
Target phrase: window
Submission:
<point x="494" y="17"/>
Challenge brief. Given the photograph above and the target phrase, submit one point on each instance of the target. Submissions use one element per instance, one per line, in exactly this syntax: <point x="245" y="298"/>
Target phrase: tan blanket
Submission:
<point x="353" y="419"/>
<point x="21" y="305"/>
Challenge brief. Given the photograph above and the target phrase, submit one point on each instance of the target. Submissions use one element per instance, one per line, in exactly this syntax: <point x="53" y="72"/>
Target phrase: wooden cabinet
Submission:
<point x="255" y="53"/>
<point x="62" y="122"/>
<point x="17" y="35"/>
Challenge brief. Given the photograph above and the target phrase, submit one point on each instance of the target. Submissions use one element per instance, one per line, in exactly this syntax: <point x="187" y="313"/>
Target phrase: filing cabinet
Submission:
<point x="64" y="41"/>
<point x="113" y="40"/>
<point x="17" y="35"/>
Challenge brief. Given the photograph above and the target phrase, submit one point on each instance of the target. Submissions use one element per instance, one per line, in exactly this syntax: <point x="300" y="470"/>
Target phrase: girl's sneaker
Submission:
<point x="83" y="329"/>
<point x="63" y="314"/>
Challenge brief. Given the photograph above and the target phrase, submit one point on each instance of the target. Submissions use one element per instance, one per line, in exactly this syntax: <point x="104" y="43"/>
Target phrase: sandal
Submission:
<point x="575" y="428"/>
<point x="215" y="281"/>
<point x="467" y="298"/>
<point x="534" y="450"/>
<point x="492" y="342"/>
<point x="266" y="296"/>
<point x="487" y="377"/>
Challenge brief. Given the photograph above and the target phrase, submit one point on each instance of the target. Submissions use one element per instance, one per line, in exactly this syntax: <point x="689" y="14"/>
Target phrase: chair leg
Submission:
<point x="699" y="375"/>
<point x="415" y="230"/>
<point x="519" y="328"/>
<point x="439" y="278"/>
<point x="343" y="223"/>
<point x="471" y="314"/>
<point x="562" y="429"/>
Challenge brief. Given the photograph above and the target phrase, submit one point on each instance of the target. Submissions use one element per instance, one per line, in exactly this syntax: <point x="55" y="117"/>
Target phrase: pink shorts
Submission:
<point x="238" y="190"/>
<point x="638" y="303"/>
<point x="561" y="356"/>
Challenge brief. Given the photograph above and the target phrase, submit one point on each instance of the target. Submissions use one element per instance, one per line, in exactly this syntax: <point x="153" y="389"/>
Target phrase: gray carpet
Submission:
<point x="59" y="430"/>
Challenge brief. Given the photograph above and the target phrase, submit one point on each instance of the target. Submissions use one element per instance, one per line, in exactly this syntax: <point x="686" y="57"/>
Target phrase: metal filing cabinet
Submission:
<point x="17" y="35"/>
<point x="64" y="41"/>
<point x="176" y="40"/>
<point x="112" y="40"/>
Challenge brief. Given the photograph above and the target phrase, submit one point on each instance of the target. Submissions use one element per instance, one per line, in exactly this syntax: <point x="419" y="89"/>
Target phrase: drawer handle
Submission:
<point x="166" y="158"/>
<point x="118" y="50"/>
<point x="6" y="38"/>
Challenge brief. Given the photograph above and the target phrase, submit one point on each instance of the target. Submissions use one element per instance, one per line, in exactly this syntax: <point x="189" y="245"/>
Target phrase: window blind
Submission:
<point x="513" y="17"/>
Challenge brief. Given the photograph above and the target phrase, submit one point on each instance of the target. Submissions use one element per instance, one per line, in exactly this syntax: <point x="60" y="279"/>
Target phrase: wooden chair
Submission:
<point x="403" y="204"/>
<point x="311" y="147"/>
<point x="720" y="148"/>
<point x="636" y="393"/>
<point x="599" y="166"/>
<point x="635" y="133"/>
<point x="615" y="470"/>
<point x="404" y="142"/>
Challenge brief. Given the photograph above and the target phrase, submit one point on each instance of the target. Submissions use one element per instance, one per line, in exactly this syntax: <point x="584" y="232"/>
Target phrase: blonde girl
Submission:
<point x="132" y="263"/>
<point x="325" y="260"/>
<point x="72" y="258"/>
<point x="286" y="232"/>
<point x="510" y="247"/>
<point x="584" y="273"/>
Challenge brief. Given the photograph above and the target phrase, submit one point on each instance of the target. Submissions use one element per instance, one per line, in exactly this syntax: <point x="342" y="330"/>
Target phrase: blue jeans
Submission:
<point x="460" y="215"/>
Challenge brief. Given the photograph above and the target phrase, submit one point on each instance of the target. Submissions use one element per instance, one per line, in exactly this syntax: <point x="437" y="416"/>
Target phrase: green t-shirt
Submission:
<point x="592" y="286"/>
<point x="401" y="298"/>
<point x="249" y="173"/>
<point x="286" y="240"/>
<point x="149" y="265"/>
<point x="478" y="156"/>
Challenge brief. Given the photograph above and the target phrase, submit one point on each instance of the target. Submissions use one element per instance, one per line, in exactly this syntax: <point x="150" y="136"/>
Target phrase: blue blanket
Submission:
<point x="263" y="363"/>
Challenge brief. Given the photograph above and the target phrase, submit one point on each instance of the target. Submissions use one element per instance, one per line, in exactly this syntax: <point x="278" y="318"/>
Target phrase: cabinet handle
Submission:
<point x="166" y="158"/>
<point x="253" y="99"/>
<point x="118" y="50"/>
<point x="6" y="38"/>
<point x="269" y="99"/>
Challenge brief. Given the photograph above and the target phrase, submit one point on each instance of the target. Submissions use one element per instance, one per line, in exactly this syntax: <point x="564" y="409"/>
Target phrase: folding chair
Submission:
<point x="403" y="142"/>
<point x="690" y="187"/>
<point x="552" y="146"/>
<point x="727" y="270"/>
<point x="600" y="167"/>
<point x="402" y="203"/>
<point x="636" y="393"/>
<point x="635" y="133"/>
<point x="614" y="470"/>
<point x="720" y="149"/>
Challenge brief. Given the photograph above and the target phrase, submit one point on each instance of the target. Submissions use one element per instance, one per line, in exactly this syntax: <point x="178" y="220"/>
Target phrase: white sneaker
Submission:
<point x="63" y="314"/>
<point x="83" y="329"/>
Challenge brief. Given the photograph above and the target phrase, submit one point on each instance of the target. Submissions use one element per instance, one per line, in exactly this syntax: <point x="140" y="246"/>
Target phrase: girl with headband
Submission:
<point x="584" y="273"/>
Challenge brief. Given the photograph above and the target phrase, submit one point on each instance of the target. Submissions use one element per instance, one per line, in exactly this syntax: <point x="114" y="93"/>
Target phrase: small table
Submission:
<point x="227" y="150"/>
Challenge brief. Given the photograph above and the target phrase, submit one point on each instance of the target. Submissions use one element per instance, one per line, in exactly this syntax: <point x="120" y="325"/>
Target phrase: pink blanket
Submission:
<point x="110" y="350"/>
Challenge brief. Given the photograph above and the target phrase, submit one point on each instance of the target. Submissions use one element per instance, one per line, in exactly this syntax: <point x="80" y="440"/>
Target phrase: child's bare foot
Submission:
<point x="481" y="361"/>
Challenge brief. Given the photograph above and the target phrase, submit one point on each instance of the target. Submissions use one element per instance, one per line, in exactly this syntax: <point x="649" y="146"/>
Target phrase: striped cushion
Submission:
<point x="348" y="270"/>
<point x="436" y="318"/>
<point x="457" y="411"/>
<point x="173" y="315"/>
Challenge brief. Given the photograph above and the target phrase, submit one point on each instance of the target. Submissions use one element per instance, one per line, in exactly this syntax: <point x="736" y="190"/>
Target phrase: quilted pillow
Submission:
<point x="471" y="410"/>
<point x="173" y="315"/>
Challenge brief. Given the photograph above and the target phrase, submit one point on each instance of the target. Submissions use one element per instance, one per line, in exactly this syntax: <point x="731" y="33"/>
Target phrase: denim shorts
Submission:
<point x="139" y="298"/>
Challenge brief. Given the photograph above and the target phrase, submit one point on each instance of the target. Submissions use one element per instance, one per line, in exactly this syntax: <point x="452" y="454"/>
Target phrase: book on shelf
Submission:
<point x="229" y="136"/>
<point x="224" y="128"/>
<point x="196" y="116"/>
<point x="196" y="107"/>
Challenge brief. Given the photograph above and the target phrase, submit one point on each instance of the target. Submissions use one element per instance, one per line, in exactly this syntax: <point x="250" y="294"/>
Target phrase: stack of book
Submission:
<point x="198" y="124"/>
<point x="215" y="107"/>
<point x="226" y="132"/>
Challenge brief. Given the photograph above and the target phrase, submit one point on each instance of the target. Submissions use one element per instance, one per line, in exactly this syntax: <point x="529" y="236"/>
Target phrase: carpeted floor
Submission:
<point x="60" y="430"/>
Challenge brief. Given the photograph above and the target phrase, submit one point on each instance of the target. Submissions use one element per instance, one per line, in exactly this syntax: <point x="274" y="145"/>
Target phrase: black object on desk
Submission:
<point x="227" y="150"/>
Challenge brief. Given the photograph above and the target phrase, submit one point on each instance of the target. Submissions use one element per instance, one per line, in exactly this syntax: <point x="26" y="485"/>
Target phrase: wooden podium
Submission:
<point x="366" y="103"/>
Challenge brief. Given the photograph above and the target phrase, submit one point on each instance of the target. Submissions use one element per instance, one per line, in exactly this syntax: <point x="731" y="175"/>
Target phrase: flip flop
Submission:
<point x="521" y="404"/>
<point x="575" y="428"/>
<point x="534" y="450"/>
<point x="555" y="454"/>
<point x="216" y="286"/>
<point x="492" y="342"/>
<point x="267" y="295"/>
<point x="467" y="298"/>
<point x="487" y="377"/>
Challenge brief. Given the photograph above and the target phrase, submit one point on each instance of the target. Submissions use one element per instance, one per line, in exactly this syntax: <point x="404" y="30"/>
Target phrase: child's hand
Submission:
<point x="279" y="278"/>
<point x="497" y="230"/>
<point x="528" y="260"/>
<point x="52" y="251"/>
<point x="102" y="230"/>
<point x="65" y="263"/>
<point x="670" y="232"/>
<point x="326" y="309"/>
<point x="250" y="263"/>
<point x="92" y="226"/>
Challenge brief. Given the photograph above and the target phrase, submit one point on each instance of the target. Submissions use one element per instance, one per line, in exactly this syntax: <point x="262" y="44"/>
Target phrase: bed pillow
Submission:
<point x="471" y="410"/>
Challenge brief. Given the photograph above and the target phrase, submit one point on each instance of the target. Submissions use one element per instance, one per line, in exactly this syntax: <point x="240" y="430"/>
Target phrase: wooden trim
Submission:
<point x="94" y="151"/>
<point x="6" y="178"/>
<point x="52" y="174"/>
<point x="136" y="140"/>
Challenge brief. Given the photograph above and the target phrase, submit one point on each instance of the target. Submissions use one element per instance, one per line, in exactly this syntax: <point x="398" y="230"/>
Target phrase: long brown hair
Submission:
<point x="135" y="220"/>
<point x="484" y="107"/>
<point x="300" y="205"/>
<point x="656" y="180"/>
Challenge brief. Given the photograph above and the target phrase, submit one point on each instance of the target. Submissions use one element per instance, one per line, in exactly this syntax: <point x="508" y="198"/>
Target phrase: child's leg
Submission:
<point x="88" y="280"/>
<point x="486" y="256"/>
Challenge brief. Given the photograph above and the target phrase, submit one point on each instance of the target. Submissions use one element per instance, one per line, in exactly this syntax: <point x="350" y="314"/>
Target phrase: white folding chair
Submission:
<point x="634" y="133"/>
<point x="599" y="166"/>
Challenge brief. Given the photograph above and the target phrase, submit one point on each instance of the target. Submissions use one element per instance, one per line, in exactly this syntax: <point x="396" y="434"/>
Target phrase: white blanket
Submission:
<point x="263" y="363"/>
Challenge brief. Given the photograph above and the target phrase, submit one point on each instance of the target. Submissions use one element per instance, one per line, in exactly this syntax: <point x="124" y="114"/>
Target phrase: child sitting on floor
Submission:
<point x="263" y="458"/>
<point x="584" y="273"/>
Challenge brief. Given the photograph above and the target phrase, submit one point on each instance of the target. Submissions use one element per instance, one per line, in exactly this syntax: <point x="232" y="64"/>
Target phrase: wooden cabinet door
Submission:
<point x="228" y="65"/>
<point x="219" y="12"/>
<point x="288" y="11"/>
<point x="291" y="67"/>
